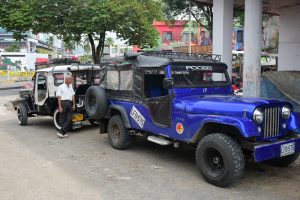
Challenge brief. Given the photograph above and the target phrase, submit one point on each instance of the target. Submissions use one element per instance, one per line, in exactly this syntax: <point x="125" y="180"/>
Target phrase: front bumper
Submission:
<point x="273" y="150"/>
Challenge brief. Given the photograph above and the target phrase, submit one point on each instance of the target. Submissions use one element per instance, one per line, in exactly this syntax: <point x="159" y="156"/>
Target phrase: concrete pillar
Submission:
<point x="222" y="30"/>
<point x="289" y="39"/>
<point x="252" y="47"/>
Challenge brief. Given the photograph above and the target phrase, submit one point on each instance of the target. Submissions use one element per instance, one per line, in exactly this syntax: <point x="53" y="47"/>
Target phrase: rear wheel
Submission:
<point x="283" y="161"/>
<point x="118" y="134"/>
<point x="22" y="114"/>
<point x="57" y="119"/>
<point x="220" y="159"/>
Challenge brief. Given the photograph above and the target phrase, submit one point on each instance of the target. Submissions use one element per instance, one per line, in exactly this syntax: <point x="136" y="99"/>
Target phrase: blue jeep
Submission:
<point x="173" y="98"/>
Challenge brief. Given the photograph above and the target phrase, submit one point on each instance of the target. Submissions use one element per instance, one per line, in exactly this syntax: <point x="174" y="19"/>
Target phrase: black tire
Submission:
<point x="220" y="159"/>
<point x="283" y="161"/>
<point x="96" y="102"/>
<point x="118" y="134"/>
<point x="57" y="119"/>
<point x="22" y="114"/>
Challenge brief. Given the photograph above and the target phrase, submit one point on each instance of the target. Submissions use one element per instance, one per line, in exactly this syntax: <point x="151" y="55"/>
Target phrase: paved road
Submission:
<point x="9" y="92"/>
<point x="35" y="164"/>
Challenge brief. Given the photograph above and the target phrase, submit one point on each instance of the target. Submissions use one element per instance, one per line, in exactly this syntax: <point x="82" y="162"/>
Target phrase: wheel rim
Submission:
<point x="19" y="115"/>
<point x="57" y="119"/>
<point x="116" y="133"/>
<point x="214" y="161"/>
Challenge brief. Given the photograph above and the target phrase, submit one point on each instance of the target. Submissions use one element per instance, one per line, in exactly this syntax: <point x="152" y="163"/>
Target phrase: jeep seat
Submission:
<point x="155" y="92"/>
<point x="81" y="89"/>
<point x="154" y="85"/>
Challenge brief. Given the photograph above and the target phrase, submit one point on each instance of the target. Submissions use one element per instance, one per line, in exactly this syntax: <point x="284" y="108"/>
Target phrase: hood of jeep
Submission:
<point x="222" y="105"/>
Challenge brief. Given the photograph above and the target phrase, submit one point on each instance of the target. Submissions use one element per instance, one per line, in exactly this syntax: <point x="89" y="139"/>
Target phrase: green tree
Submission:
<point x="13" y="48"/>
<point x="71" y="44"/>
<point x="86" y="46"/>
<point x="50" y="41"/>
<point x="16" y="16"/>
<point x="238" y="18"/>
<point x="109" y="41"/>
<point x="201" y="12"/>
<point x="73" y="20"/>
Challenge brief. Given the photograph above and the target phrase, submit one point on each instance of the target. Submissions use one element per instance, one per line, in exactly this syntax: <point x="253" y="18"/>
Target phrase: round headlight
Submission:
<point x="286" y="112"/>
<point x="258" y="115"/>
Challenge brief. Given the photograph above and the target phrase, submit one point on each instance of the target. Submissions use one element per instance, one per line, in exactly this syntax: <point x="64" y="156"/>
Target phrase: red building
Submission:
<point x="177" y="34"/>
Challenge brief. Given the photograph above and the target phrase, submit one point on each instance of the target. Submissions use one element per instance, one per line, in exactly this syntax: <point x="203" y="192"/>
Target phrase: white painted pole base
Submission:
<point x="252" y="47"/>
<point x="222" y="31"/>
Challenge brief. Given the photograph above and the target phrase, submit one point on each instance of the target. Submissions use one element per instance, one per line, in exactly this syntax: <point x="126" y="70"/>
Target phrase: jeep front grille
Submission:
<point x="272" y="122"/>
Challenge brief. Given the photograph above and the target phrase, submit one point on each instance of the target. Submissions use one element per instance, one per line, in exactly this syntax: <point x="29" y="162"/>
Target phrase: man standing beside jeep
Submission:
<point x="66" y="104"/>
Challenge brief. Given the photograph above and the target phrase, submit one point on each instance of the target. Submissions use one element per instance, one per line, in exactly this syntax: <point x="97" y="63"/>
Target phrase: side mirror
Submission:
<point x="233" y="80"/>
<point x="168" y="83"/>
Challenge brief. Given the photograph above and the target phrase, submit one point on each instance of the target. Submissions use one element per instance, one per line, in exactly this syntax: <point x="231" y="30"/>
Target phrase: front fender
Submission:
<point x="17" y="102"/>
<point x="246" y="126"/>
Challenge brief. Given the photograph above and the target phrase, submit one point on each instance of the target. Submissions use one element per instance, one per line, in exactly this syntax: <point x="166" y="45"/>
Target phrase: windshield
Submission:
<point x="199" y="76"/>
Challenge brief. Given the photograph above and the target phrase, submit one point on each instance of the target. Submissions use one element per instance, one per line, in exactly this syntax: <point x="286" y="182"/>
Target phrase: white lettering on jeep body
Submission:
<point x="137" y="116"/>
<point x="199" y="68"/>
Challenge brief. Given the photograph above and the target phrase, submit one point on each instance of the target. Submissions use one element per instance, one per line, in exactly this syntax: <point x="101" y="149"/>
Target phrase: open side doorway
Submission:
<point x="41" y="89"/>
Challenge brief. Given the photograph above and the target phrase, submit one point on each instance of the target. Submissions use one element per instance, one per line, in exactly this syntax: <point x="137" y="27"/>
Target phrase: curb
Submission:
<point x="11" y="88"/>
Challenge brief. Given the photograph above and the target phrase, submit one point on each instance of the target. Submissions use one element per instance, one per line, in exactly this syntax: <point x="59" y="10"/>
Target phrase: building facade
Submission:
<point x="25" y="54"/>
<point x="176" y="34"/>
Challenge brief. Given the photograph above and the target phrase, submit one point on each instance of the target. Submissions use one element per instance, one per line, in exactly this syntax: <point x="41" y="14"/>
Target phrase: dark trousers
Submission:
<point x="66" y="116"/>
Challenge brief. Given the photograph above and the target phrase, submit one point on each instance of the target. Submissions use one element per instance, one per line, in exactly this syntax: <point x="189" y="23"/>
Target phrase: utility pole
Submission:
<point x="190" y="27"/>
<point x="62" y="49"/>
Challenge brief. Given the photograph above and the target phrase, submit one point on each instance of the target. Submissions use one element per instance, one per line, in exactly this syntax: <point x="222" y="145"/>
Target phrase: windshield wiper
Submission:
<point x="212" y="81"/>
<point x="187" y="80"/>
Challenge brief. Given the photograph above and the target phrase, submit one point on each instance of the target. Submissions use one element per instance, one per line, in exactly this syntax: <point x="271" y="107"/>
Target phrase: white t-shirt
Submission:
<point x="65" y="92"/>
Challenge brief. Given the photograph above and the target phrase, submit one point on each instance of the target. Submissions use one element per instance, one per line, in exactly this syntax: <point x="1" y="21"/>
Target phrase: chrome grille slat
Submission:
<point x="278" y="125"/>
<point x="265" y="122"/>
<point x="277" y="121"/>
<point x="271" y="122"/>
<point x="266" y="119"/>
<point x="276" y="128"/>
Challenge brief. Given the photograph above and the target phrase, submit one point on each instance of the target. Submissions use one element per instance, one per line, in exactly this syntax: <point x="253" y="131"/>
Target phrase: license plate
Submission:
<point x="287" y="149"/>
<point x="77" y="117"/>
<point x="77" y="125"/>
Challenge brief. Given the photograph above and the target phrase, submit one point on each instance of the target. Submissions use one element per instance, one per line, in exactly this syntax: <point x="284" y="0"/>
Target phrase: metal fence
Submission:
<point x="15" y="76"/>
<point x="16" y="73"/>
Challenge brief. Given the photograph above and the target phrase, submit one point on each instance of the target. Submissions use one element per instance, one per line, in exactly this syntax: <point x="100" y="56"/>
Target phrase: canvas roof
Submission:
<point x="150" y="61"/>
<point x="70" y="68"/>
<point x="143" y="61"/>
